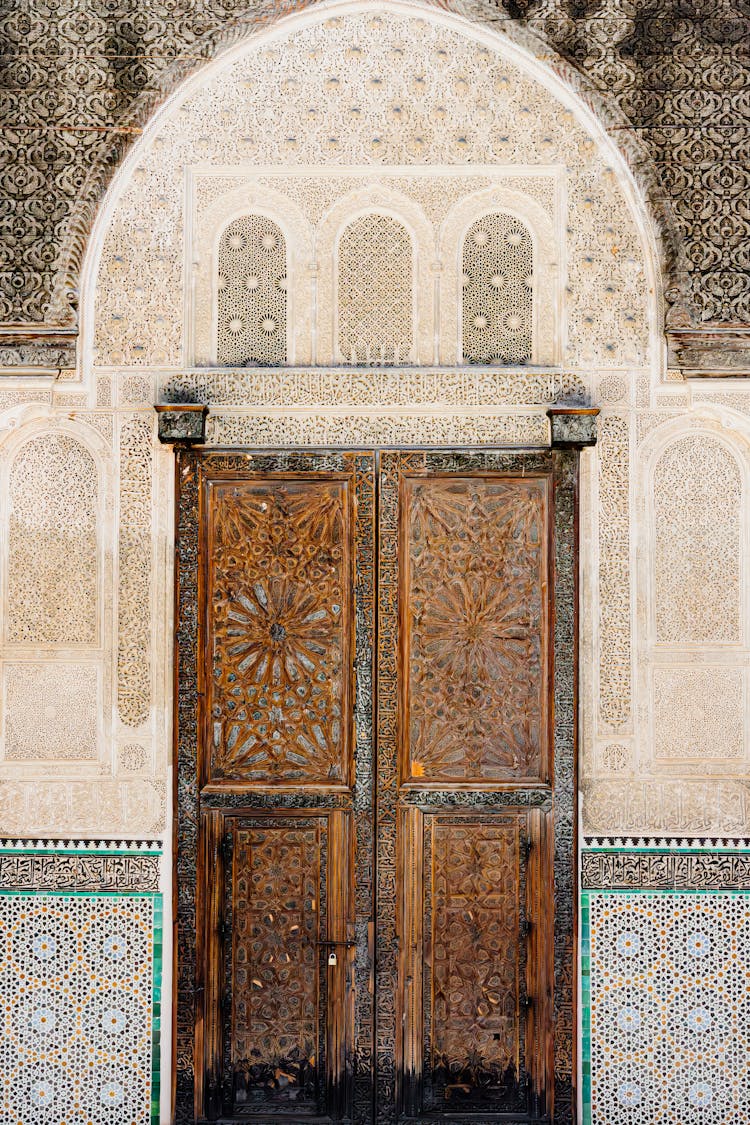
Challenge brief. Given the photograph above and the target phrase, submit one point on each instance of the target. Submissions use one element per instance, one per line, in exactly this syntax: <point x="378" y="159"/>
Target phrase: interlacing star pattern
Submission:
<point x="476" y="618"/>
<point x="279" y="584"/>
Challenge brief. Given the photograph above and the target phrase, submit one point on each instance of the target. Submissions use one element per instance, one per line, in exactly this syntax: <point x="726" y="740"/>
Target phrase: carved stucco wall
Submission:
<point x="666" y="695"/>
<point x="85" y="503"/>
<point x="415" y="118"/>
<point x="145" y="315"/>
<point x="670" y="77"/>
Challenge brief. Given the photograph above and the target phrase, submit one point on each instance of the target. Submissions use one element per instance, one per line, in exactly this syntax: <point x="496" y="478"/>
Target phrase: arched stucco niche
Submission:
<point x="348" y="96"/>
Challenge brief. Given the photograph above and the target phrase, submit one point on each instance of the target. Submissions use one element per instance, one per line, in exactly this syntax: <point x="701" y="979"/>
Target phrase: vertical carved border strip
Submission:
<point x="615" y="673"/>
<point x="565" y="736"/>
<point x="364" y="789"/>
<point x="392" y="466"/>
<point x="135" y="582"/>
<point x="186" y="789"/>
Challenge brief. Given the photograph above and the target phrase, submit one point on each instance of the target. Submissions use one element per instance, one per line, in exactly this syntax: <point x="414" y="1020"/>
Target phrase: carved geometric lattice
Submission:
<point x="252" y="286"/>
<point x="275" y="1004"/>
<point x="698" y="555"/>
<point x="279" y="587"/>
<point x="498" y="290"/>
<point x="375" y="291"/>
<point x="475" y="996"/>
<point x="475" y="612"/>
<point x="52" y="543"/>
<point x="51" y="709"/>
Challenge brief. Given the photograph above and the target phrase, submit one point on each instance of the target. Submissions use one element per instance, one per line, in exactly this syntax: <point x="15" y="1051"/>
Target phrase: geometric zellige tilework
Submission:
<point x="76" y="989"/>
<point x="669" y="1008"/>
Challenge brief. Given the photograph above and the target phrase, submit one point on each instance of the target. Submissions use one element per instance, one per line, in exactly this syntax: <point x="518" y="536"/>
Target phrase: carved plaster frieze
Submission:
<point x="77" y="872"/>
<point x="664" y="871"/>
<point x="341" y="428"/>
<point x="372" y="388"/>
<point x="683" y="806"/>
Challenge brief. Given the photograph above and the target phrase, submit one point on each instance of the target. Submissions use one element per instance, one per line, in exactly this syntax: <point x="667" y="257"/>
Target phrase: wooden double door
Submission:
<point x="372" y="826"/>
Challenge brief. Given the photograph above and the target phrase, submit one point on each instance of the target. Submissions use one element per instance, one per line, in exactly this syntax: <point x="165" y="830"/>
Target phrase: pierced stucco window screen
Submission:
<point x="252" y="293"/>
<point x="375" y="291"/>
<point x="497" y="293"/>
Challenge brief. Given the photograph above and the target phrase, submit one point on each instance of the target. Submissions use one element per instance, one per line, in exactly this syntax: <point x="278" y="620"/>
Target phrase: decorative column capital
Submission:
<point x="181" y="422"/>
<point x="573" y="427"/>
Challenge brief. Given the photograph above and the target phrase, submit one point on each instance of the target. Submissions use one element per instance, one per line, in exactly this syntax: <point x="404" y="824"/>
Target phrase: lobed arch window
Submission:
<point x="361" y="289"/>
<point x="497" y="291"/>
<point x="375" y="291"/>
<point x="252" y="293"/>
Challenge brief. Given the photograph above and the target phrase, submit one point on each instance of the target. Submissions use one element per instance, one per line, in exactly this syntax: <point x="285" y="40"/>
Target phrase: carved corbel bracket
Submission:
<point x="182" y="423"/>
<point x="573" y="427"/>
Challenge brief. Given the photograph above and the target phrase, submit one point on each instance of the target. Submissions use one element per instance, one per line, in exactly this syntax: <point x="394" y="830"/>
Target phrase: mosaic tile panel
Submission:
<point x="666" y="1007"/>
<point x="80" y="980"/>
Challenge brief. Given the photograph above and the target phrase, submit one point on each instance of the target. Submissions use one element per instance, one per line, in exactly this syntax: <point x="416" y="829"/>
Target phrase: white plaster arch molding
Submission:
<point x="693" y="576"/>
<point x="202" y="251"/>
<point x="547" y="322"/>
<point x="371" y="92"/>
<point x="375" y="200"/>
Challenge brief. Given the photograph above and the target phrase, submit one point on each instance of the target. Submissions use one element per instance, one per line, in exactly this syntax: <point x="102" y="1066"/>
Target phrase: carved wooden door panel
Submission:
<point x="285" y="788"/>
<point x="473" y="963"/>
<point x="383" y="924"/>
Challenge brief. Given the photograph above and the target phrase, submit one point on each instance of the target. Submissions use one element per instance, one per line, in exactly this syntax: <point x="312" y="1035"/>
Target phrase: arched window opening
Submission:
<point x="375" y="291"/>
<point x="497" y="291"/>
<point x="252" y="293"/>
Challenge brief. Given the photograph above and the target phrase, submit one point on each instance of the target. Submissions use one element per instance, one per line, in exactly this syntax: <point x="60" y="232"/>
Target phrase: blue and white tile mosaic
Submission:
<point x="666" y="1020"/>
<point x="79" y="1015"/>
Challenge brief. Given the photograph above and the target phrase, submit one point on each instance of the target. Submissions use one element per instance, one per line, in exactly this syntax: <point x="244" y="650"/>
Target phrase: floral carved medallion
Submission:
<point x="279" y="581"/>
<point x="474" y="621"/>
